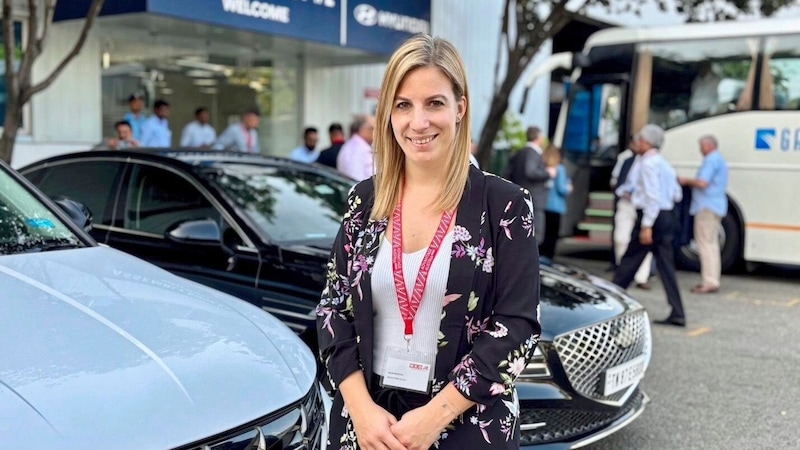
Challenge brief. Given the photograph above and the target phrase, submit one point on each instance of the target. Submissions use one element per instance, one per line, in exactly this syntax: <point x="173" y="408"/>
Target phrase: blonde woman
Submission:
<point x="430" y="311"/>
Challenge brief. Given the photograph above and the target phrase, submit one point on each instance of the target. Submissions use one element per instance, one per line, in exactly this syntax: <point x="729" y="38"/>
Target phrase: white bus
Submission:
<point x="739" y="81"/>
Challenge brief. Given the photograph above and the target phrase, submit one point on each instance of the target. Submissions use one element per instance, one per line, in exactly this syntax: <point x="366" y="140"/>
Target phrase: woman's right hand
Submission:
<point x="370" y="422"/>
<point x="372" y="426"/>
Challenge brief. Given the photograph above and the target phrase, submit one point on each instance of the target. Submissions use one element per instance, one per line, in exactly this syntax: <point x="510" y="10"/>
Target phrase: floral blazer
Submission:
<point x="489" y="325"/>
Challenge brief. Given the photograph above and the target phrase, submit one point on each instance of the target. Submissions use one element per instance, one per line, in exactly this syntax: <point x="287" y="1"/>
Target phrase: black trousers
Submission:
<point x="552" y="222"/>
<point x="663" y="234"/>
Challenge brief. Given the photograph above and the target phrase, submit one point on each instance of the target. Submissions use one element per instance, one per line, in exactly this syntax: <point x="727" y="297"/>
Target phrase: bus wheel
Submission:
<point x="730" y="244"/>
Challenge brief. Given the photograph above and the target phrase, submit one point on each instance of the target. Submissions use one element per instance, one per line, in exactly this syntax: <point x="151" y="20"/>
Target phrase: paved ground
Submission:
<point x="731" y="379"/>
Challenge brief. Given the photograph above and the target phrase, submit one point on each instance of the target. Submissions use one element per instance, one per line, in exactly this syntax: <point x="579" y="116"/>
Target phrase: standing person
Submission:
<point x="709" y="205"/>
<point x="199" y="133"/>
<point x="526" y="168"/>
<point x="307" y="153"/>
<point x="155" y="131"/>
<point x="136" y="116"/>
<point x="356" y="159"/>
<point x="654" y="195"/>
<point x="625" y="214"/>
<point x="556" y="201"/>
<point x="241" y="136"/>
<point x="430" y="311"/>
<point x="327" y="157"/>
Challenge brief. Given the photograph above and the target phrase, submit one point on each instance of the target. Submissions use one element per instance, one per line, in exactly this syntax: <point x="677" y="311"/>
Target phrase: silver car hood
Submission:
<point x="99" y="349"/>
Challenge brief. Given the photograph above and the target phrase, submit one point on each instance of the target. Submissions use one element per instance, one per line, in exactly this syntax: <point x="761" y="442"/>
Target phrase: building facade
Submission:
<point x="300" y="62"/>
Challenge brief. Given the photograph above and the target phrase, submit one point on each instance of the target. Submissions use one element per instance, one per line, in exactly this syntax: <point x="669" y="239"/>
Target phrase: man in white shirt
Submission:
<point x="307" y="153"/>
<point x="199" y="133"/>
<point x="655" y="190"/>
<point x="356" y="158"/>
<point x="155" y="130"/>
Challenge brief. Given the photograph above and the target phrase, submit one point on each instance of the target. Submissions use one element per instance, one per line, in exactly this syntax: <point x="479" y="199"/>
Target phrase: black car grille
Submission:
<point x="297" y="427"/>
<point x="587" y="353"/>
<point x="565" y="424"/>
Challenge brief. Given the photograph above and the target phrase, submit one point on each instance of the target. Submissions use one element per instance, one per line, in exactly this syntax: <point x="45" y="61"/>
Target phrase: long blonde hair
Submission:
<point x="421" y="50"/>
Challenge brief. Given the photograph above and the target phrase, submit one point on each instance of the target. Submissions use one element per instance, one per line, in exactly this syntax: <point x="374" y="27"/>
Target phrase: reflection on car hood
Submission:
<point x="572" y="298"/>
<point x="100" y="349"/>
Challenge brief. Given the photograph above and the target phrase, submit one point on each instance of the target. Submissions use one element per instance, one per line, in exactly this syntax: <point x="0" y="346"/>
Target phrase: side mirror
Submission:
<point x="76" y="211"/>
<point x="203" y="232"/>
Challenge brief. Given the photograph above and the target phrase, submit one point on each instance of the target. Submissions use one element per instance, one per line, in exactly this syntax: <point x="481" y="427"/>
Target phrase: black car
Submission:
<point x="261" y="228"/>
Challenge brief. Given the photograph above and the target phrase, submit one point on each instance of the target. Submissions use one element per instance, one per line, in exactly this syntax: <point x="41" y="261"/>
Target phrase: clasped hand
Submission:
<point x="376" y="429"/>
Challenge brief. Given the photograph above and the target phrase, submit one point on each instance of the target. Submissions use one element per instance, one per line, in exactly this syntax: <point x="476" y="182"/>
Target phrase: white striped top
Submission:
<point x="388" y="323"/>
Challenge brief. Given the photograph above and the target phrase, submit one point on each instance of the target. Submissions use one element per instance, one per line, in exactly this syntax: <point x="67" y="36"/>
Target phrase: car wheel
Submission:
<point x="730" y="244"/>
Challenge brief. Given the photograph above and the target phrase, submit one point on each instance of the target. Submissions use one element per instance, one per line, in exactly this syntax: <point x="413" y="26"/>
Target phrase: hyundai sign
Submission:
<point x="375" y="25"/>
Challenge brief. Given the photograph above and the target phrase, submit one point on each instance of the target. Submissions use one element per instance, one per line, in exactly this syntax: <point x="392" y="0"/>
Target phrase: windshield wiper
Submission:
<point x="49" y="245"/>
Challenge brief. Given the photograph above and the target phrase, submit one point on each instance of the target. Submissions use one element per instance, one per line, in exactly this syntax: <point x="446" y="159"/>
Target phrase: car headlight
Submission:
<point x="537" y="367"/>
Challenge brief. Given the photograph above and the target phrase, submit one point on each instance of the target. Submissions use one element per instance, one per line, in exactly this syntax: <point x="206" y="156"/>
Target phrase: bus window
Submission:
<point x="780" y="84"/>
<point x="696" y="79"/>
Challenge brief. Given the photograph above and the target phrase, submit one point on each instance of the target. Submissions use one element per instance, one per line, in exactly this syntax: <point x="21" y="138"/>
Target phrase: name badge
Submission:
<point x="408" y="370"/>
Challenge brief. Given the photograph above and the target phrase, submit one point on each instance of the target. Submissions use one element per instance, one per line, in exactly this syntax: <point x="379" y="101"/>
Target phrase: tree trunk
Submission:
<point x="13" y="119"/>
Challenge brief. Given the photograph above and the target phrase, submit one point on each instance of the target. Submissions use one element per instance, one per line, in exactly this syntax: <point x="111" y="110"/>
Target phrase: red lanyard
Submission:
<point x="409" y="307"/>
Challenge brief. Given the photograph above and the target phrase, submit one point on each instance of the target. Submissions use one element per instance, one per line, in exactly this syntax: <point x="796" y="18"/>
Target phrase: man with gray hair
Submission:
<point x="709" y="205"/>
<point x="356" y="159"/>
<point x="653" y="190"/>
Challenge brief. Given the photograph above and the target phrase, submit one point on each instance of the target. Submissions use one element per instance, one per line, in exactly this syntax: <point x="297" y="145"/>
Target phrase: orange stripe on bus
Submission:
<point x="773" y="227"/>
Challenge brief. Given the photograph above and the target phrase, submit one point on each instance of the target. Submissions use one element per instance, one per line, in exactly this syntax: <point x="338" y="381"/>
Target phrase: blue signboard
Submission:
<point x="382" y="25"/>
<point x="373" y="25"/>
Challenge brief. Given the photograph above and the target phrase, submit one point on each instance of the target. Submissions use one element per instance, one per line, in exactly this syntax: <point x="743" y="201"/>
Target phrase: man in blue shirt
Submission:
<point x="136" y="116"/>
<point x="653" y="189"/>
<point x="307" y="153"/>
<point x="241" y="136"/>
<point x="709" y="205"/>
<point x="155" y="131"/>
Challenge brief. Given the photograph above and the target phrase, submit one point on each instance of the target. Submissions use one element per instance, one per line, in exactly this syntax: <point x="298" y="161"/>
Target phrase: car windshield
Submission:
<point x="26" y="225"/>
<point x="290" y="206"/>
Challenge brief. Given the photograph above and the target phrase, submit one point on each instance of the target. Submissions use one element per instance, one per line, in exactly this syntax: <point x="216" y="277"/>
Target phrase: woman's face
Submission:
<point x="424" y="115"/>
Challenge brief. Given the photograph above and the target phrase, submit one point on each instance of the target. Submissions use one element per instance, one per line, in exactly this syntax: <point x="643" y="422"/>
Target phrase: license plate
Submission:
<point x="619" y="377"/>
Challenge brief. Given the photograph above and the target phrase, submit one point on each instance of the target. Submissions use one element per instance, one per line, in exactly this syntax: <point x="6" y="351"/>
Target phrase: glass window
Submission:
<point x="17" y="58"/>
<point x="25" y="223"/>
<point x="157" y="199"/>
<point x="696" y="79"/>
<point x="92" y="183"/>
<point x="780" y="85"/>
<point x="289" y="206"/>
<point x="593" y="122"/>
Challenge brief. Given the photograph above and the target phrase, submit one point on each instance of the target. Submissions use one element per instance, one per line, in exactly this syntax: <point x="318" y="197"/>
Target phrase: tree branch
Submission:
<point x="31" y="50"/>
<point x="49" y="10"/>
<point x="9" y="44"/>
<point x="94" y="11"/>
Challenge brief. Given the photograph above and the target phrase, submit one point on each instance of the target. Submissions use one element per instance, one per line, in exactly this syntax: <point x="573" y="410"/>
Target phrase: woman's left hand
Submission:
<point x="418" y="429"/>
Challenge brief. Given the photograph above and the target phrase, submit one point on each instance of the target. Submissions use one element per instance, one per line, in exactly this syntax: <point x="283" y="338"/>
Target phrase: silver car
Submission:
<point x="99" y="349"/>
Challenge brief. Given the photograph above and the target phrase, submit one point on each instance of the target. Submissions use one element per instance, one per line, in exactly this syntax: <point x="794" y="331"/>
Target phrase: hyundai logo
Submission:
<point x="366" y="15"/>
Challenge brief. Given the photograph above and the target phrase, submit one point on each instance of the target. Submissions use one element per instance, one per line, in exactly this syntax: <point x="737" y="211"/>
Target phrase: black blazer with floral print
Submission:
<point x="490" y="321"/>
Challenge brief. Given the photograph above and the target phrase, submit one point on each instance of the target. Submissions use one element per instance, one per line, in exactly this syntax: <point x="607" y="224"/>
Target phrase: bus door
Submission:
<point x="594" y="134"/>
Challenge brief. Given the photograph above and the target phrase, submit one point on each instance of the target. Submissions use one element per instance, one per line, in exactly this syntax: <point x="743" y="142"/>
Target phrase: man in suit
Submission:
<point x="527" y="169"/>
<point x="654" y="191"/>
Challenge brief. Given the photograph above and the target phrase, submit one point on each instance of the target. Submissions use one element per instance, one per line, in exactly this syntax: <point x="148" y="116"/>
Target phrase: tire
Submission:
<point x="686" y="256"/>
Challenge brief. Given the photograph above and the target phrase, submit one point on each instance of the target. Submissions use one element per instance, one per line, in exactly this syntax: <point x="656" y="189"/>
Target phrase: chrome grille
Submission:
<point x="585" y="354"/>
<point x="296" y="427"/>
